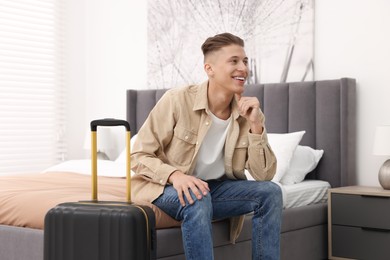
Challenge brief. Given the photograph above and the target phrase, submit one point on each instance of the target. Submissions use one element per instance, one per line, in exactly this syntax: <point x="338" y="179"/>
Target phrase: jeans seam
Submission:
<point x="188" y="246"/>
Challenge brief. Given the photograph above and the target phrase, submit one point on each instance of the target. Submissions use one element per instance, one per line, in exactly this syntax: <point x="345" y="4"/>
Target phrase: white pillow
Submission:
<point x="304" y="160"/>
<point x="122" y="157"/>
<point x="284" y="146"/>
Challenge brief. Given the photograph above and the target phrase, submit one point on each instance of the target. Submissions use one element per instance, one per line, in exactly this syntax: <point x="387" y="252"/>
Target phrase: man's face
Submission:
<point x="228" y="68"/>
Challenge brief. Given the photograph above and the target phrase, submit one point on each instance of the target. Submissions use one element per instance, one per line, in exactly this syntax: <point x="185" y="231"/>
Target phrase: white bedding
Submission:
<point x="104" y="168"/>
<point x="305" y="193"/>
<point x="295" y="195"/>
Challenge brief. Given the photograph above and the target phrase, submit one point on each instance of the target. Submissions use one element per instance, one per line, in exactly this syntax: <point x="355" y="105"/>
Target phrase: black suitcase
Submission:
<point x="100" y="230"/>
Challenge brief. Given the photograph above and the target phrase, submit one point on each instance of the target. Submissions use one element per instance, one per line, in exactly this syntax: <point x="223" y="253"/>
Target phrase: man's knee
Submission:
<point x="272" y="192"/>
<point x="201" y="208"/>
<point x="275" y="193"/>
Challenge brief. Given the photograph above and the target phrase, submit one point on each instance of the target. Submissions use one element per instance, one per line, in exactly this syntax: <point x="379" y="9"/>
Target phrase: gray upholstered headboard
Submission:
<point x="324" y="109"/>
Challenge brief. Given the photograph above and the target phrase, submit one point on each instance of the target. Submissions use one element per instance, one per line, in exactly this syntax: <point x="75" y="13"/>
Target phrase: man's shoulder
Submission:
<point x="188" y="90"/>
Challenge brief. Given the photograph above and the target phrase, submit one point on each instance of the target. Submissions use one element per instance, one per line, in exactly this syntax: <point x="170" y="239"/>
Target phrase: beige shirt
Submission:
<point x="171" y="137"/>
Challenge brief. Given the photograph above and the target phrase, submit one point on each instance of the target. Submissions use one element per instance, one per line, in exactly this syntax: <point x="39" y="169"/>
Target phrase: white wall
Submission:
<point x="116" y="54"/>
<point x="108" y="56"/>
<point x="75" y="76"/>
<point x="352" y="39"/>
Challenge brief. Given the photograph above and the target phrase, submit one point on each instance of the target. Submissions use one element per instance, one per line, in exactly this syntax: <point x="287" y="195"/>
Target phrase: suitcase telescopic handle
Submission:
<point x="109" y="122"/>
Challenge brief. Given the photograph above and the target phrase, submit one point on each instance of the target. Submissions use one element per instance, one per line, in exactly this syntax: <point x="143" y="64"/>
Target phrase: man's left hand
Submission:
<point x="249" y="107"/>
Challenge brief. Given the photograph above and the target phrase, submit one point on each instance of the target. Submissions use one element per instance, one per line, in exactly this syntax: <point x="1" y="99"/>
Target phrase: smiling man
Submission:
<point x="192" y="151"/>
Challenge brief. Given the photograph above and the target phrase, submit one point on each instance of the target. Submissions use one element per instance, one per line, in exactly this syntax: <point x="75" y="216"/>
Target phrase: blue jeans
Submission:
<point x="228" y="198"/>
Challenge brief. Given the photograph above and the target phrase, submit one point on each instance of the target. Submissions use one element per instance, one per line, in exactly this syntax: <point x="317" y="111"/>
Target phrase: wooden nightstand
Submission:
<point x="359" y="223"/>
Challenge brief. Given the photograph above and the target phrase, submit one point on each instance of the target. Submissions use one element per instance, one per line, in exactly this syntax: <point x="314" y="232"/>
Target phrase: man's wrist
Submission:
<point x="172" y="176"/>
<point x="256" y="127"/>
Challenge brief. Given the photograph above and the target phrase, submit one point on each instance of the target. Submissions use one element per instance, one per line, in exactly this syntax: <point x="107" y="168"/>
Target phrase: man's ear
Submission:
<point x="208" y="69"/>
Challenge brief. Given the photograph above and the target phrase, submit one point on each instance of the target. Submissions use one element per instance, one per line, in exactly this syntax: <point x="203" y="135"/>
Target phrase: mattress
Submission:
<point x="25" y="199"/>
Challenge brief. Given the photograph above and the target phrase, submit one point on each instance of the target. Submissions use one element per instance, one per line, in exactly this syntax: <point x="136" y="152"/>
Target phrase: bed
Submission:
<point x="325" y="110"/>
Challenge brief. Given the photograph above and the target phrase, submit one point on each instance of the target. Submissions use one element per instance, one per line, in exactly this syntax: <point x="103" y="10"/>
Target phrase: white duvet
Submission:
<point x="295" y="195"/>
<point x="105" y="167"/>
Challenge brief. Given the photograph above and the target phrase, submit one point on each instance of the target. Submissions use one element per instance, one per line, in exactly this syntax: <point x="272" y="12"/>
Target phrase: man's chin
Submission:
<point x="239" y="89"/>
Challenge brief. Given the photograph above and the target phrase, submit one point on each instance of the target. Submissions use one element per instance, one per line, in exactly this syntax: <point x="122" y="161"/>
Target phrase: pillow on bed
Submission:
<point x="122" y="157"/>
<point x="283" y="146"/>
<point x="304" y="160"/>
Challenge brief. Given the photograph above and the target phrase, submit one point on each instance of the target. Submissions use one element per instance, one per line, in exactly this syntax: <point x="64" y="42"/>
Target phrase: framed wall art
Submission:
<point x="278" y="37"/>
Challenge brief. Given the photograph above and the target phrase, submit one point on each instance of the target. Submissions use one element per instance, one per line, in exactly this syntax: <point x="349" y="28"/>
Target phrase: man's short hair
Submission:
<point x="220" y="40"/>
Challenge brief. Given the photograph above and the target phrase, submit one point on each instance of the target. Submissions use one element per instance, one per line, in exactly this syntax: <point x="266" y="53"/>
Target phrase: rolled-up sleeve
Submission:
<point x="261" y="162"/>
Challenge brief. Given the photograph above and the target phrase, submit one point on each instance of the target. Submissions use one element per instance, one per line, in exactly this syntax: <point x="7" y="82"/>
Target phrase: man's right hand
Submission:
<point x="183" y="183"/>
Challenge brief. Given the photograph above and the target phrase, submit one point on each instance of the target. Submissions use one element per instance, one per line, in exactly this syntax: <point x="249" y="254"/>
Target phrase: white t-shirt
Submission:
<point x="210" y="162"/>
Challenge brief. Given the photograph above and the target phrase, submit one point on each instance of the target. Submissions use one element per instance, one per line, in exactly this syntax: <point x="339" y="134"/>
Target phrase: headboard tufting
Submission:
<point x="324" y="109"/>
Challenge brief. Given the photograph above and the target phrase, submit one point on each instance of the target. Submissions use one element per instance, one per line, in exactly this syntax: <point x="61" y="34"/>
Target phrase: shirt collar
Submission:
<point x="201" y="101"/>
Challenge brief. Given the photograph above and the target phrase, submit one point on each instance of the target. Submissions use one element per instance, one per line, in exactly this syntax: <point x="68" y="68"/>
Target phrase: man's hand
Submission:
<point x="249" y="107"/>
<point x="183" y="183"/>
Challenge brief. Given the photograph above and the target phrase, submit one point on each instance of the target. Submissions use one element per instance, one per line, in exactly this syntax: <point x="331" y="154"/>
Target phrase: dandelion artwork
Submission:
<point x="278" y="37"/>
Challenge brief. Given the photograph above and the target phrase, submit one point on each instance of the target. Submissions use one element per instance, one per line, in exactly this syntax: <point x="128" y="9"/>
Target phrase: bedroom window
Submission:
<point x="32" y="93"/>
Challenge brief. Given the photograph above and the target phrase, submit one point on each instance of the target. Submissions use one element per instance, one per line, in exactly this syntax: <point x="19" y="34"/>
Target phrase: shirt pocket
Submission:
<point x="182" y="147"/>
<point x="240" y="153"/>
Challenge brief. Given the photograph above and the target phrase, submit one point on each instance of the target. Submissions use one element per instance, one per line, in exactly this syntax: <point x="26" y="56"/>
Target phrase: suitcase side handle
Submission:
<point x="109" y="122"/>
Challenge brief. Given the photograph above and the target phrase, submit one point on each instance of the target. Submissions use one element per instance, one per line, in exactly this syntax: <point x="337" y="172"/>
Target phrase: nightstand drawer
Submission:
<point x="360" y="243"/>
<point x="361" y="210"/>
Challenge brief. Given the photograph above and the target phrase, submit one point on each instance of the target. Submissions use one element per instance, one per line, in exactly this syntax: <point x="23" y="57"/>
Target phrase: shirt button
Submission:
<point x="243" y="143"/>
<point x="207" y="123"/>
<point x="161" y="181"/>
<point x="197" y="142"/>
<point x="186" y="137"/>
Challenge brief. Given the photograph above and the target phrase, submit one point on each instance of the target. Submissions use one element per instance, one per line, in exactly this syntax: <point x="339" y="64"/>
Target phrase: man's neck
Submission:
<point x="219" y="102"/>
